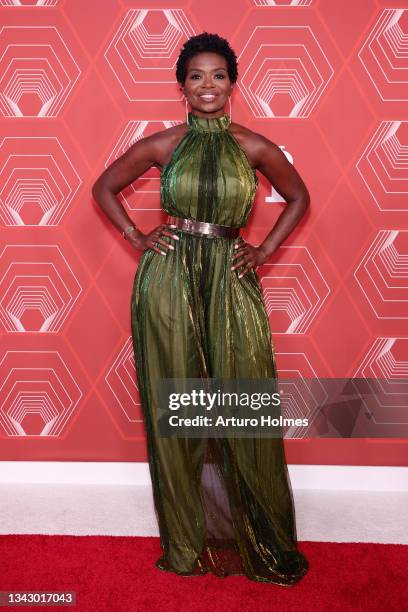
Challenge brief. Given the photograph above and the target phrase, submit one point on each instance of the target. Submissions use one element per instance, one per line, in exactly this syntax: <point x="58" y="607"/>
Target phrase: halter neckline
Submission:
<point x="208" y="124"/>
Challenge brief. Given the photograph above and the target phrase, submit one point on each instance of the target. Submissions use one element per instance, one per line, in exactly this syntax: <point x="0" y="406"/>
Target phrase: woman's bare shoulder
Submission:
<point x="253" y="143"/>
<point x="165" y="141"/>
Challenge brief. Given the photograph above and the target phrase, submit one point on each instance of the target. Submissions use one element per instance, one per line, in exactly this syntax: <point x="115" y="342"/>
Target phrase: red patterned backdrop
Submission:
<point x="80" y="81"/>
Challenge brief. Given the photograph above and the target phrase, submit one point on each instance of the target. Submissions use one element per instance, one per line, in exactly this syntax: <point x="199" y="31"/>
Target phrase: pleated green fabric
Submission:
<point x="223" y="505"/>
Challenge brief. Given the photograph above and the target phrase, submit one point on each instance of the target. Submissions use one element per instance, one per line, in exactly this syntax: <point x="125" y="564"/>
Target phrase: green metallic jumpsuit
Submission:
<point x="223" y="505"/>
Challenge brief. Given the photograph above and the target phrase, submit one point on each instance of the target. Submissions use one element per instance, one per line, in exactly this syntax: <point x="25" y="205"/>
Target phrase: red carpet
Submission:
<point x="117" y="574"/>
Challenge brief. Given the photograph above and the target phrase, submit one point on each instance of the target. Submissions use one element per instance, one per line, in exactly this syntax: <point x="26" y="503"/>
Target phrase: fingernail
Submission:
<point x="236" y="246"/>
<point x="176" y="237"/>
<point x="172" y="225"/>
<point x="239" y="275"/>
<point x="171" y="247"/>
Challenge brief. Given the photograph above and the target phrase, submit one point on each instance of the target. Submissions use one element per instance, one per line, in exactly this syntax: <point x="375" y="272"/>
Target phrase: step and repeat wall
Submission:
<point x="80" y="82"/>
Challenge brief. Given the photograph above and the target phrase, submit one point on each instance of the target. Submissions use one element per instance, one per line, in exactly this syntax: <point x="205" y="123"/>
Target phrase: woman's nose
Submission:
<point x="208" y="81"/>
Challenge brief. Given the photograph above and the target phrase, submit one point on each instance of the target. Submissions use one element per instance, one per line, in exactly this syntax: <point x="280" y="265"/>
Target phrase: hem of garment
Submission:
<point x="201" y="570"/>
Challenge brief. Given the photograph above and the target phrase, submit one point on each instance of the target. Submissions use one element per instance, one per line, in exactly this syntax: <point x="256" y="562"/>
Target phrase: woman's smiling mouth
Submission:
<point x="207" y="97"/>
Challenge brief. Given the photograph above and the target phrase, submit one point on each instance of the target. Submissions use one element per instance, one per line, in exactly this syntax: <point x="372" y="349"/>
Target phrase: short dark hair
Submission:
<point x="206" y="42"/>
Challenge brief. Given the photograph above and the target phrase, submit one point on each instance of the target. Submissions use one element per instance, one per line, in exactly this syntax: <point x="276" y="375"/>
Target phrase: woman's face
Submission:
<point x="207" y="85"/>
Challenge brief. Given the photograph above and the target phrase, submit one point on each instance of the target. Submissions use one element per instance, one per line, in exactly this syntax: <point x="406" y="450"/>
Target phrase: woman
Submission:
<point x="197" y="311"/>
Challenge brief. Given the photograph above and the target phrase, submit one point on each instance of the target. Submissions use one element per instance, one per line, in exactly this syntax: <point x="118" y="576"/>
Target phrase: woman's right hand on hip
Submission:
<point x="153" y="239"/>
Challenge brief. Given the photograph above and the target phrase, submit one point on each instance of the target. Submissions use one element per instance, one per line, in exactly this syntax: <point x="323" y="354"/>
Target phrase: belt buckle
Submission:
<point x="207" y="228"/>
<point x="189" y="224"/>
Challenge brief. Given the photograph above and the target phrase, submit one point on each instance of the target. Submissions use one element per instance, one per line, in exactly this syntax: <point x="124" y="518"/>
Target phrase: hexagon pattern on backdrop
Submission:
<point x="79" y="84"/>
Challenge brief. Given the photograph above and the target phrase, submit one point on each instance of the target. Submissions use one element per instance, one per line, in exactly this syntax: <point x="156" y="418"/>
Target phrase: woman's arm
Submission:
<point x="118" y="175"/>
<point x="284" y="177"/>
<point x="121" y="173"/>
<point x="268" y="158"/>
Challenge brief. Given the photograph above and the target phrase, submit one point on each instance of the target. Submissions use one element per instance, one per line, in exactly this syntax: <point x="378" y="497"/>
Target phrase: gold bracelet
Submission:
<point x="128" y="230"/>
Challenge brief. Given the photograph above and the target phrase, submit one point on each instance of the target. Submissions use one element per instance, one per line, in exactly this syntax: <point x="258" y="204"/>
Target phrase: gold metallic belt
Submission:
<point x="202" y="227"/>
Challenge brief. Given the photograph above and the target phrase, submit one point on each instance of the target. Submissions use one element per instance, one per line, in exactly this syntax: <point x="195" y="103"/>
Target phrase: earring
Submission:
<point x="230" y="112"/>
<point x="186" y="108"/>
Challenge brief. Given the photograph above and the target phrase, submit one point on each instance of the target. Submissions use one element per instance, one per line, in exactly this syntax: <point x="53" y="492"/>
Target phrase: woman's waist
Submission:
<point x="204" y="228"/>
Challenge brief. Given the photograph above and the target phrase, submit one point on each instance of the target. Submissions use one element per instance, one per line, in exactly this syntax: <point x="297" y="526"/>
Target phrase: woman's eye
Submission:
<point x="220" y="75"/>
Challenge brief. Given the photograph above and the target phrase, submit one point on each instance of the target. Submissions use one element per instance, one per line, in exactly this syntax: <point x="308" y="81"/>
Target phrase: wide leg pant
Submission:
<point x="223" y="505"/>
